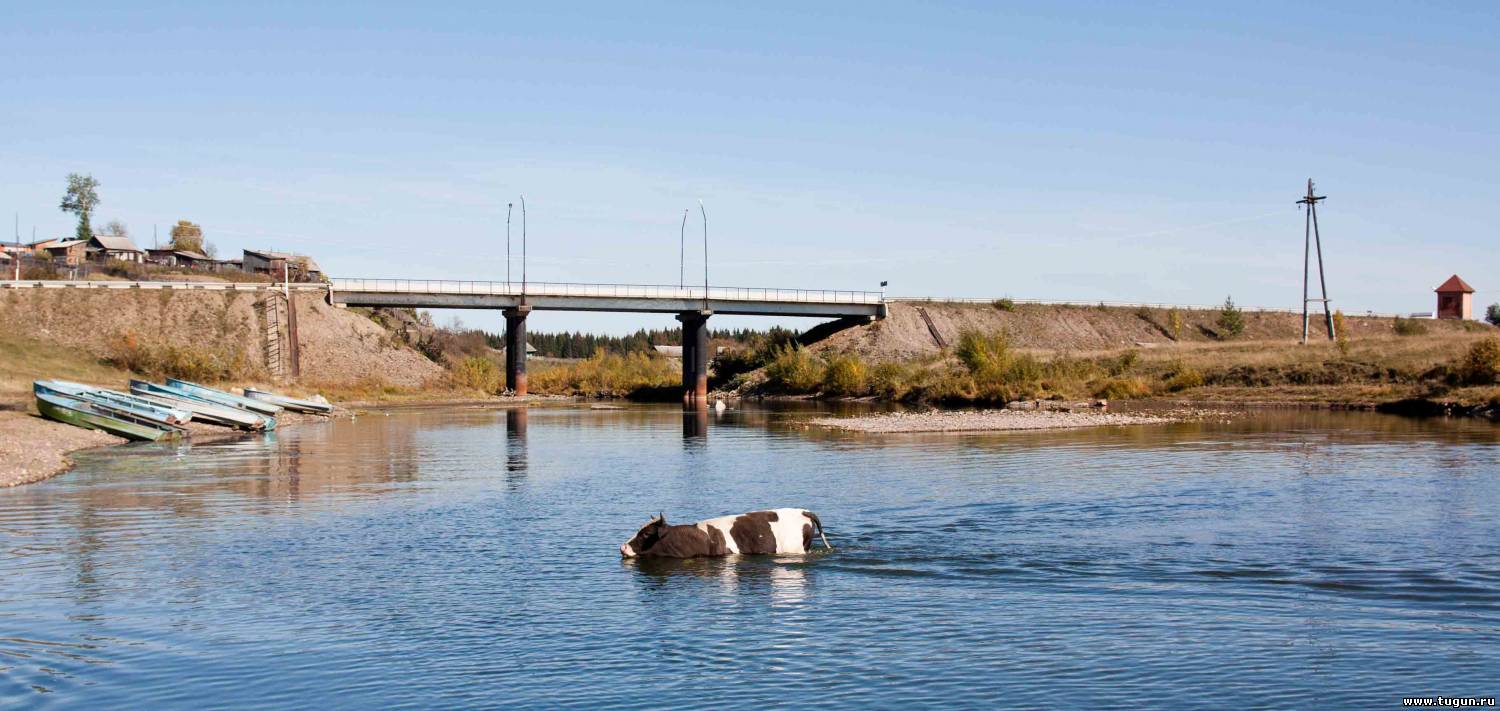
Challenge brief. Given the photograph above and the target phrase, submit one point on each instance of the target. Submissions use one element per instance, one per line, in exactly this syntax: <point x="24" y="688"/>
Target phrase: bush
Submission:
<point x="1183" y="378"/>
<point x="1341" y="335"/>
<point x="476" y="373"/>
<point x="1480" y="365"/>
<point x="1124" y="363"/>
<point x="1005" y="304"/>
<point x="795" y="370"/>
<point x="610" y="375"/>
<point x="166" y="360"/>
<point x="983" y="354"/>
<point x="845" y="375"/>
<point x="1492" y="314"/>
<point x="1408" y="327"/>
<point x="1174" y="324"/>
<point x="1122" y="389"/>
<point x="1231" y="320"/>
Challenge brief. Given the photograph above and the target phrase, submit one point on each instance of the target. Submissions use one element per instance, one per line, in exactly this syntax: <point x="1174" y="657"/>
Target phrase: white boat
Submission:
<point x="290" y="403"/>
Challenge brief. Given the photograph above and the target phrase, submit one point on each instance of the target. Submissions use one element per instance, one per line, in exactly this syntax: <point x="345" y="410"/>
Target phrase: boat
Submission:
<point x="81" y="413"/>
<point x="203" y="392"/>
<point x="206" y="410"/>
<point x="290" y="403"/>
<point x="117" y="403"/>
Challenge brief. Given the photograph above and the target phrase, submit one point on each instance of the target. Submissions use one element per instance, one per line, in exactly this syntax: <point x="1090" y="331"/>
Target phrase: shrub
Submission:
<point x="1183" y="378"/>
<point x="1408" y="327"/>
<point x="1124" y="362"/>
<point x="892" y="381"/>
<point x="1005" y="304"/>
<point x="1174" y="324"/>
<point x="1341" y="335"/>
<point x="983" y="354"/>
<point x="476" y="373"/>
<point x="1492" y="314"/>
<point x="845" y="375"/>
<point x="795" y="370"/>
<point x="1480" y="365"/>
<point x="1122" y="389"/>
<point x="168" y="360"/>
<point x="1231" y="320"/>
<point x="609" y="374"/>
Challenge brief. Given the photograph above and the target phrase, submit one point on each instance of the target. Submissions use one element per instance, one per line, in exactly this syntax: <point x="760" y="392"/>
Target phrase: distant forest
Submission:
<point x="576" y="344"/>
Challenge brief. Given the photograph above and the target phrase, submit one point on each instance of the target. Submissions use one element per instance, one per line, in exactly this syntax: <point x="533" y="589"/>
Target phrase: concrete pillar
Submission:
<point x="515" y="349"/>
<point x="695" y="357"/>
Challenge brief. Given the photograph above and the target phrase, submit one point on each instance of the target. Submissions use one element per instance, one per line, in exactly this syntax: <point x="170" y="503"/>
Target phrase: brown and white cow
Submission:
<point x="755" y="533"/>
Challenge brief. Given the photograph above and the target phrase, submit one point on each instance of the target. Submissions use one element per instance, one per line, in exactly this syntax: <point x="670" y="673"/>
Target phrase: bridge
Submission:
<point x="692" y="305"/>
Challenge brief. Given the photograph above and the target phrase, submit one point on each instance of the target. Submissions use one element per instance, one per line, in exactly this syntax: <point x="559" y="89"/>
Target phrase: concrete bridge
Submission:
<point x="692" y="305"/>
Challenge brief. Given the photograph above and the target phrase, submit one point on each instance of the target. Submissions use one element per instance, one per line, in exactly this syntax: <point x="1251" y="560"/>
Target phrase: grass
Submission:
<point x="1457" y="366"/>
<point x="28" y="359"/>
<point x="608" y="375"/>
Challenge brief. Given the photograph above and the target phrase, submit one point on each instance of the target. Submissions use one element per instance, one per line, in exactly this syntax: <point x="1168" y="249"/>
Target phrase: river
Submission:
<point x="470" y="558"/>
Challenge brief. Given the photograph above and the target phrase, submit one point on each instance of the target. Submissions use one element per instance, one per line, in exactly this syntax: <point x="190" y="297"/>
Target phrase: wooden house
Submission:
<point x="1455" y="299"/>
<point x="116" y="247"/>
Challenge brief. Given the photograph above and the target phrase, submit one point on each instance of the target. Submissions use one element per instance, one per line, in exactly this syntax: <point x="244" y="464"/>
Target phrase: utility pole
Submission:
<point x="682" y="251"/>
<point x="1311" y="238"/>
<point x="705" y="254"/>
<point x="523" y="249"/>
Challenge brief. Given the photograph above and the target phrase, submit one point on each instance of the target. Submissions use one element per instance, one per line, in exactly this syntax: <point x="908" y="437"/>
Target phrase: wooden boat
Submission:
<point x="223" y="398"/>
<point x="290" y="403"/>
<point x="206" y="410"/>
<point x="80" y="413"/>
<point x="120" y="404"/>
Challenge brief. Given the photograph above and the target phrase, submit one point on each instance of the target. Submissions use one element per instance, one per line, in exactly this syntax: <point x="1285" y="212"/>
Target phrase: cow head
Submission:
<point x="646" y="537"/>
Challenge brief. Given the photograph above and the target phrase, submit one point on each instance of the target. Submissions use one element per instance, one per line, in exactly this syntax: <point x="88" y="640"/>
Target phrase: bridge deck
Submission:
<point x="540" y="296"/>
<point x="553" y="296"/>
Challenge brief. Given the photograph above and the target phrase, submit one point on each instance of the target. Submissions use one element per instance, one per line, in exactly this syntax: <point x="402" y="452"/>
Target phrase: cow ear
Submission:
<point x="662" y="518"/>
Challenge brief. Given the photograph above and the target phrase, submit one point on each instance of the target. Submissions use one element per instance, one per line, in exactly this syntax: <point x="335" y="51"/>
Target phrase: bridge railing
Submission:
<point x="626" y="291"/>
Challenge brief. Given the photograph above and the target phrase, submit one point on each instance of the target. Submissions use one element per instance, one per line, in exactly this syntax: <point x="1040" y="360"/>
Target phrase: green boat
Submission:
<point x="82" y="414"/>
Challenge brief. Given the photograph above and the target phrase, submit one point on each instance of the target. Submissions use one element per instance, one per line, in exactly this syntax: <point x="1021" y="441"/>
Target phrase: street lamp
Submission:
<point x="508" y="207"/>
<point x="523" y="248"/>
<point x="705" y="253"/>
<point x="682" y="250"/>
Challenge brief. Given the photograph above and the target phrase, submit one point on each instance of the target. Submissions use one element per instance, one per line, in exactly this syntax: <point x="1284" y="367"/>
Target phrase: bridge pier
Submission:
<point x="515" y="349"/>
<point x="695" y="357"/>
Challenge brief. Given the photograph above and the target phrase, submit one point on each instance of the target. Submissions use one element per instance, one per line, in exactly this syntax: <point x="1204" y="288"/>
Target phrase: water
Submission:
<point x="470" y="559"/>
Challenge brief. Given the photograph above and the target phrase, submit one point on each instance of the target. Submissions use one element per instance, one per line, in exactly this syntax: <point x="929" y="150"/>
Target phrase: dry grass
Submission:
<point x="27" y="359"/>
<point x="608" y="375"/>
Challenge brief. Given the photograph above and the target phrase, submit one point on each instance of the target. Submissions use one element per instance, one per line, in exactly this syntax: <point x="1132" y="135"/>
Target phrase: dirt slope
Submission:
<point x="338" y="346"/>
<point x="905" y="333"/>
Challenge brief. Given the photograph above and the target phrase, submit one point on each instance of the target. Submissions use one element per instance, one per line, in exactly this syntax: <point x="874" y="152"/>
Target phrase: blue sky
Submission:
<point x="1085" y="151"/>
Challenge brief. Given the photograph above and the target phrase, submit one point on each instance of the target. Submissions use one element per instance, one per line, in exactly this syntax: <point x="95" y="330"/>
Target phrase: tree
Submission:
<point x="1174" y="324"/>
<point x="187" y="237"/>
<point x="1492" y="314"/>
<point x="116" y="228"/>
<point x="81" y="199"/>
<point x="1231" y="320"/>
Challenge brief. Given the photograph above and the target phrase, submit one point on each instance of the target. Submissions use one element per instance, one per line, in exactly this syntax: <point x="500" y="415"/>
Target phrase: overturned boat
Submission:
<point x="203" y="409"/>
<point x="290" y="403"/>
<point x="221" y="397"/>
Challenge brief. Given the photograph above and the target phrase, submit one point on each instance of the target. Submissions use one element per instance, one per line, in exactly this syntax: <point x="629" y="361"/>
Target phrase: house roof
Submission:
<point x="178" y="252"/>
<point x="1455" y="285"/>
<point x="117" y="243"/>
<point x="265" y="254"/>
<point x="4" y="257"/>
<point x="64" y="244"/>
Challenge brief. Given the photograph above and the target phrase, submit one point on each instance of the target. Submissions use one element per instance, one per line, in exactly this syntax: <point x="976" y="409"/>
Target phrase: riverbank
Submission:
<point x="1004" y="420"/>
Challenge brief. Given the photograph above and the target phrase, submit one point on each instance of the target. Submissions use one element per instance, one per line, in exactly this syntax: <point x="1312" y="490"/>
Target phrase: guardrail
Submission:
<point x="623" y="291"/>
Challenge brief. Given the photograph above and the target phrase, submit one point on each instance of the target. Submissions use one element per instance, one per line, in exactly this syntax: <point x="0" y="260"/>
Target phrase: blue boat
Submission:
<point x="117" y="404"/>
<point x="203" y="392"/>
<point x="211" y="410"/>
<point x="81" y="413"/>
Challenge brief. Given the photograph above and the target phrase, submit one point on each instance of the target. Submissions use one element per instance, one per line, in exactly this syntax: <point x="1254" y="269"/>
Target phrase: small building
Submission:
<point x="68" y="252"/>
<point x="237" y="264"/>
<point x="1455" y="299"/>
<point x="116" y="247"/>
<point x="277" y="264"/>
<point x="181" y="259"/>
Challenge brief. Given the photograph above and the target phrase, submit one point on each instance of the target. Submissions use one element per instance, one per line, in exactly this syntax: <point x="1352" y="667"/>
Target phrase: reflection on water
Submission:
<point x="469" y="558"/>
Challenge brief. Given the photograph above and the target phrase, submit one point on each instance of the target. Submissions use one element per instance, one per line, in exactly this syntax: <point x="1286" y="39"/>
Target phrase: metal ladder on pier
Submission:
<point x="932" y="328"/>
<point x="273" y="315"/>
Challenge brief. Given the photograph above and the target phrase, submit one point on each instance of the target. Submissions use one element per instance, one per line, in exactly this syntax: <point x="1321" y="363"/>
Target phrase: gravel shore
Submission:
<point x="33" y="448"/>
<point x="991" y="421"/>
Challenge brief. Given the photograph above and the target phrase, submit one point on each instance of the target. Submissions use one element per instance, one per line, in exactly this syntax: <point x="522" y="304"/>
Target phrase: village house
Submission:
<point x="115" y="247"/>
<point x="1455" y="299"/>
<point x="67" y="252"/>
<point x="281" y="263"/>
<point x="182" y="259"/>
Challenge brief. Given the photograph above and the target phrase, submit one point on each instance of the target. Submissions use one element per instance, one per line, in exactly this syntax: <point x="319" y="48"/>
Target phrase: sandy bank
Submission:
<point x="996" y="420"/>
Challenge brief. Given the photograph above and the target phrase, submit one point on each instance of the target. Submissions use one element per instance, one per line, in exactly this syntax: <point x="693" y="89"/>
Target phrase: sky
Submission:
<point x="1143" y="152"/>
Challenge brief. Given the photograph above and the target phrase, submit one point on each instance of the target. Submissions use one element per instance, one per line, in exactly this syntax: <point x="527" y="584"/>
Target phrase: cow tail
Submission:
<point x="819" y="525"/>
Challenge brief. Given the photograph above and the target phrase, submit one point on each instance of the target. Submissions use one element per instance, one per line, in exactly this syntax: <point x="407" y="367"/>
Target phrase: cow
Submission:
<point x="755" y="533"/>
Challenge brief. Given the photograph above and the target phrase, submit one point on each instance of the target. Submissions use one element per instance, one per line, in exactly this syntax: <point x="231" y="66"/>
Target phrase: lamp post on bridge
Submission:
<point x="508" y="207"/>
